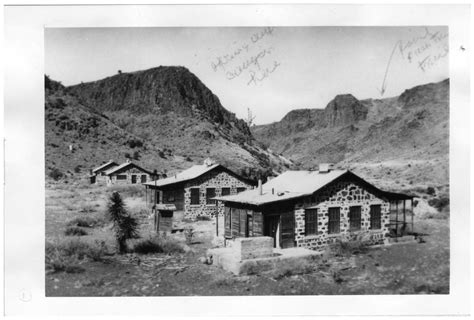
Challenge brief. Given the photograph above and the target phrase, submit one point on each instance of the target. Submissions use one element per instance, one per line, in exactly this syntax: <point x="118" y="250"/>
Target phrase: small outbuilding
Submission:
<point x="313" y="209"/>
<point x="98" y="174"/>
<point x="193" y="190"/>
<point x="127" y="173"/>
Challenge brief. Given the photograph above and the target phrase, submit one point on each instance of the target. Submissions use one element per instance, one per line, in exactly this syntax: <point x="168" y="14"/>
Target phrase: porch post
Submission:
<point x="404" y="216"/>
<point x="412" y="216"/>
<point x="217" y="220"/>
<point x="396" y="223"/>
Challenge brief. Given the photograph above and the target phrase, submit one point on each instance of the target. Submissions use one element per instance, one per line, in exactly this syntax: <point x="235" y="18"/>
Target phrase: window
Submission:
<point x="143" y="178"/>
<point x="311" y="221"/>
<point x="375" y="217"/>
<point x="240" y="189"/>
<point x="134" y="178"/>
<point x="194" y="195"/>
<point x="210" y="193"/>
<point x="121" y="177"/>
<point x="354" y="218"/>
<point x="334" y="220"/>
<point x="225" y="191"/>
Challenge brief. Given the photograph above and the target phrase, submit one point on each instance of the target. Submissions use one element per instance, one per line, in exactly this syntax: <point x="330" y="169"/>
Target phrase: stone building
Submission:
<point x="193" y="190"/>
<point x="98" y="174"/>
<point x="313" y="209"/>
<point x="127" y="173"/>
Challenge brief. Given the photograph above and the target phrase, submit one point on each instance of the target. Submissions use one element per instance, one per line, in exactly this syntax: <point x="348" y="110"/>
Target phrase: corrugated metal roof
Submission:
<point x="104" y="165"/>
<point x="188" y="174"/>
<point x="288" y="185"/>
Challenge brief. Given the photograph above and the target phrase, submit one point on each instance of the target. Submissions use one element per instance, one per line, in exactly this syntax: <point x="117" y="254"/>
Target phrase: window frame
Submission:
<point x="311" y="222"/>
<point x="191" y="196"/>
<point x="242" y="189"/>
<point x="355" y="224"/>
<point x="222" y="191"/>
<point x="208" y="197"/>
<point x="332" y="224"/>
<point x="376" y="218"/>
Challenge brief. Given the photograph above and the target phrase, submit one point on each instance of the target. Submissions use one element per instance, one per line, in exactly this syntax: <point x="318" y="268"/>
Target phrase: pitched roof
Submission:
<point x="186" y="175"/>
<point x="104" y="165"/>
<point x="122" y="166"/>
<point x="295" y="184"/>
<point x="288" y="185"/>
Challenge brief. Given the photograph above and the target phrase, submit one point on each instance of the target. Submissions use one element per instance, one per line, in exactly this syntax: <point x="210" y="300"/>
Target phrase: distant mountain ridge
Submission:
<point x="394" y="132"/>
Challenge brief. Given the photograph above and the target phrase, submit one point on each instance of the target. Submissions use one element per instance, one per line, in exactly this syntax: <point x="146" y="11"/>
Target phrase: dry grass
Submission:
<point x="158" y="245"/>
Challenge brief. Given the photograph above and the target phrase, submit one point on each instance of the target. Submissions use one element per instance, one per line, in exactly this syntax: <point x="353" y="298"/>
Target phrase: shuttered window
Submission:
<point x="194" y="195"/>
<point x="239" y="190"/>
<point x="311" y="221"/>
<point x="334" y="225"/>
<point x="375" y="217"/>
<point x="354" y="218"/>
<point x="225" y="191"/>
<point x="210" y="193"/>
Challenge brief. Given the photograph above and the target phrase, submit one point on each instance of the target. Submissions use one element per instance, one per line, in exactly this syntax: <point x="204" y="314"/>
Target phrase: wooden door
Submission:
<point x="272" y="228"/>
<point x="287" y="230"/>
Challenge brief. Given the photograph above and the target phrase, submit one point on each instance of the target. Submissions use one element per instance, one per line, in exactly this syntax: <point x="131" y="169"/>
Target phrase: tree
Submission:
<point x="120" y="72"/>
<point x="124" y="225"/>
<point x="250" y="118"/>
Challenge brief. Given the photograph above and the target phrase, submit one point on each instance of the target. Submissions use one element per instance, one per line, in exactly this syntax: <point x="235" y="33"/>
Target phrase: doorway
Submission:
<point x="272" y="229"/>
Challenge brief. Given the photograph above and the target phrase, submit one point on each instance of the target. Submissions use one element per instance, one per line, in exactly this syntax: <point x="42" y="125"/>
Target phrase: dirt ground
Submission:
<point x="409" y="268"/>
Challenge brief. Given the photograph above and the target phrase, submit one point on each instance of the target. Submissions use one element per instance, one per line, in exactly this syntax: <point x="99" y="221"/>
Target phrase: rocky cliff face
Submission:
<point x="408" y="134"/>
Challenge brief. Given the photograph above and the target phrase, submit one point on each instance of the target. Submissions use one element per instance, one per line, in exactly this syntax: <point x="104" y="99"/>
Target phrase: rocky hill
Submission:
<point x="163" y="118"/>
<point x="405" y="138"/>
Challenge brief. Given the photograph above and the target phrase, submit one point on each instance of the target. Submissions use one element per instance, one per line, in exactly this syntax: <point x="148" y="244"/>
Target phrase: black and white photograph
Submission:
<point x="247" y="161"/>
<point x="310" y="160"/>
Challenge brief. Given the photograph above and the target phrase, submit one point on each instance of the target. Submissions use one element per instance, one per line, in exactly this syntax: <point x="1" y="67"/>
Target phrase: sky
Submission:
<point x="269" y="70"/>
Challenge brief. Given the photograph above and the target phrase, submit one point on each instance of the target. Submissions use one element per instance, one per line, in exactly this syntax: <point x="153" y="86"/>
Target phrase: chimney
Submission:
<point x="260" y="191"/>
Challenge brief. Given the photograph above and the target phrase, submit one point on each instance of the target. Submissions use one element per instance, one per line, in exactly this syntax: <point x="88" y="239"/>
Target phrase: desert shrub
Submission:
<point x="349" y="245"/>
<point x="189" y="234"/>
<point x="158" y="245"/>
<point x="55" y="174"/>
<point x="291" y="267"/>
<point x="135" y="143"/>
<point x="136" y="155"/>
<point x="203" y="218"/>
<point x="127" y="155"/>
<point x="430" y="190"/>
<point x="77" y="169"/>
<point x="439" y="203"/>
<point x="87" y="208"/>
<point x="75" y="231"/>
<point x="135" y="191"/>
<point x="68" y="255"/>
<point x="86" y="222"/>
<point x="125" y="226"/>
<point x="224" y="282"/>
<point x="161" y="154"/>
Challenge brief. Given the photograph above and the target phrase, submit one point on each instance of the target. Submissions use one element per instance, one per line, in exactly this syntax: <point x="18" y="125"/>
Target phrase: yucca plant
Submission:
<point x="125" y="226"/>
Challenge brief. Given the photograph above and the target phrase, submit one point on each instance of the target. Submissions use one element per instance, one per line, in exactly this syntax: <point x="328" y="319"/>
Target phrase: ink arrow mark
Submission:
<point x="384" y="82"/>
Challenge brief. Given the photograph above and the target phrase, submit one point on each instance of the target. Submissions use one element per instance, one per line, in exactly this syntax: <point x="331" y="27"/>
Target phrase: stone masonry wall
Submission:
<point x="112" y="179"/>
<point x="213" y="179"/>
<point x="342" y="195"/>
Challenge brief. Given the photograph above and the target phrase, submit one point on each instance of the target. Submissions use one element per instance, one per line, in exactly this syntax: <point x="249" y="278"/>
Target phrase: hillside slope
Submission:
<point x="165" y="116"/>
<point x="406" y="137"/>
